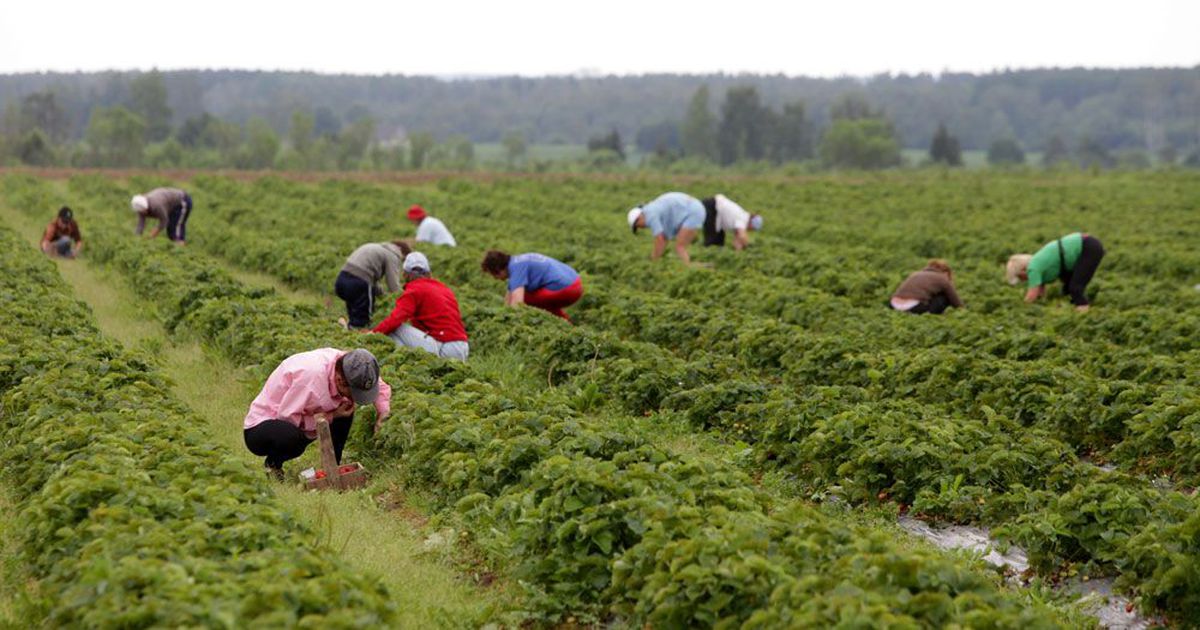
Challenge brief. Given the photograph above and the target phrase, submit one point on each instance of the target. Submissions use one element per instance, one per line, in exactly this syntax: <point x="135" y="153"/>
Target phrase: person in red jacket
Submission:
<point x="426" y="314"/>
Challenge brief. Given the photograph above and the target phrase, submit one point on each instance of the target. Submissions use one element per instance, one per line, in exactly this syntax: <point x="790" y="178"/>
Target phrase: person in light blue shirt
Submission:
<point x="537" y="280"/>
<point x="673" y="215"/>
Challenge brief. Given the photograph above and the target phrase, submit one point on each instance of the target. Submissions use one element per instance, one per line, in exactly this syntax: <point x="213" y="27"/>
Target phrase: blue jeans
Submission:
<point x="63" y="246"/>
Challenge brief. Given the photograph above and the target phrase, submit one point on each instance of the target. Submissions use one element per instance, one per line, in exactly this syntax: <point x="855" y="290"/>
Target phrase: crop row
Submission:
<point x="126" y="515"/>
<point x="593" y="519"/>
<point x="986" y="432"/>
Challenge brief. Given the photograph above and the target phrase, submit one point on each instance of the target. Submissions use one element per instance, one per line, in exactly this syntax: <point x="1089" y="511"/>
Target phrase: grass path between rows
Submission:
<point x="387" y="545"/>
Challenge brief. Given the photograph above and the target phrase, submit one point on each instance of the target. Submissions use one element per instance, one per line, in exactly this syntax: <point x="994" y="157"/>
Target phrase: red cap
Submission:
<point x="416" y="213"/>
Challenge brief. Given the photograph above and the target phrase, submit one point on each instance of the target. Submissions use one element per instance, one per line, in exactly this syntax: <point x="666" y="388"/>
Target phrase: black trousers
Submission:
<point x="935" y="306"/>
<point x="712" y="236"/>
<point x="1076" y="280"/>
<point x="280" y="440"/>
<point x="177" y="219"/>
<point x="359" y="296"/>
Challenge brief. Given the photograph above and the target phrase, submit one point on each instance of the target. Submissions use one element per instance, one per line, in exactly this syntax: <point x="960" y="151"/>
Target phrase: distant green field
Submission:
<point x="493" y="152"/>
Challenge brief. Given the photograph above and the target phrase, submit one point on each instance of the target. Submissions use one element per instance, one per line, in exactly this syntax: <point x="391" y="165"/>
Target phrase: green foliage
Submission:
<point x="597" y="521"/>
<point x="126" y="514"/>
<point x="34" y="148"/>
<point x="1005" y="151"/>
<point x="699" y="132"/>
<point x="607" y="142"/>
<point x="989" y="415"/>
<point x="115" y="137"/>
<point x="1056" y="152"/>
<point x="944" y="149"/>
<point x="867" y="143"/>
<point x="148" y="99"/>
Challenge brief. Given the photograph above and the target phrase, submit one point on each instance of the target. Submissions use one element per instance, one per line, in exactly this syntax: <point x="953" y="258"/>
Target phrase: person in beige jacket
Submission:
<point x="357" y="282"/>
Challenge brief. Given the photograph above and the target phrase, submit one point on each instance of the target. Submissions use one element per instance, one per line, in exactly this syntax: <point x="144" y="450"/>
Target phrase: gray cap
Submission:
<point x="416" y="261"/>
<point x="362" y="373"/>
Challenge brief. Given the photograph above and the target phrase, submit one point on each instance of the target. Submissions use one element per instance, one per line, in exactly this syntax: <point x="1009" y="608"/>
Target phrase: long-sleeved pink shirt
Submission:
<point x="303" y="387"/>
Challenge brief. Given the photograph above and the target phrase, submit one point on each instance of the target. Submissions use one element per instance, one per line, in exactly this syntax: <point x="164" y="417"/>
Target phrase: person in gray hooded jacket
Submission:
<point x="357" y="283"/>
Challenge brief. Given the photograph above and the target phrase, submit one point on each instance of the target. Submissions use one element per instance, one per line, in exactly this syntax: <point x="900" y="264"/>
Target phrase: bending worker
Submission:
<point x="62" y="237"/>
<point x="357" y="283"/>
<point x="722" y="215"/>
<point x="930" y="290"/>
<point x="673" y="215"/>
<point x="429" y="229"/>
<point x="171" y="206"/>
<point x="426" y="314"/>
<point x="537" y="280"/>
<point x="325" y="383"/>
<point x="1073" y="259"/>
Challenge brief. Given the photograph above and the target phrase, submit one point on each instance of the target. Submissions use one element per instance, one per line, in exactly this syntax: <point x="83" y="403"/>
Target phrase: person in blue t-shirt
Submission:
<point x="672" y="215"/>
<point x="537" y="280"/>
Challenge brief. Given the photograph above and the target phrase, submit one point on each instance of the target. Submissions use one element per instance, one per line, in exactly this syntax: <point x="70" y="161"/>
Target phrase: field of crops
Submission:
<point x="725" y="445"/>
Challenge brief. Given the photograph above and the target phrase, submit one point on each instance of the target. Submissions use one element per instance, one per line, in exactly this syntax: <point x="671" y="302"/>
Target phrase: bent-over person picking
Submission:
<point x="930" y="290"/>
<point x="325" y="383"/>
<point x="429" y="229"/>
<point x="722" y="216"/>
<point x="537" y="280"/>
<point x="1073" y="259"/>
<point x="357" y="284"/>
<point x="170" y="206"/>
<point x="672" y="215"/>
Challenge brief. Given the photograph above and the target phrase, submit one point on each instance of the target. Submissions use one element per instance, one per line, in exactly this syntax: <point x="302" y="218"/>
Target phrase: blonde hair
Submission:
<point x="1017" y="264"/>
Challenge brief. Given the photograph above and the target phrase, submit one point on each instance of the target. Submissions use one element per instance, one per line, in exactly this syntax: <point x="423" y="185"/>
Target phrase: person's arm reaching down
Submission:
<point x="952" y="293"/>
<point x="383" y="404"/>
<point x="391" y="272"/>
<point x="741" y="238"/>
<point x="660" y="246"/>
<point x="515" y="297"/>
<point x="406" y="306"/>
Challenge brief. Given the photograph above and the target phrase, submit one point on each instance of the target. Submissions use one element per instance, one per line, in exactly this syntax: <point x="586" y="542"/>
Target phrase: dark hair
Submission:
<point x="495" y="261"/>
<point x="337" y="366"/>
<point x="65" y="213"/>
<point x="405" y="248"/>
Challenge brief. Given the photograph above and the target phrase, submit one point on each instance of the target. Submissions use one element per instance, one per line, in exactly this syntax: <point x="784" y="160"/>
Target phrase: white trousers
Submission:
<point x="409" y="336"/>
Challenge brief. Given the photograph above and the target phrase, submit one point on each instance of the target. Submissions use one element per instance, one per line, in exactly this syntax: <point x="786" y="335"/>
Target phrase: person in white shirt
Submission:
<point x="721" y="215"/>
<point x="429" y="229"/>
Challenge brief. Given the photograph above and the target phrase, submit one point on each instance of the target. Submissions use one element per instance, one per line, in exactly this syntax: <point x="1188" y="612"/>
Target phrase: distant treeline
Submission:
<point x="253" y="119"/>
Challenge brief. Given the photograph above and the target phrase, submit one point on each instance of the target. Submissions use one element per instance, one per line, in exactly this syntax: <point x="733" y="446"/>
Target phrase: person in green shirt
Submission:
<point x="1072" y="259"/>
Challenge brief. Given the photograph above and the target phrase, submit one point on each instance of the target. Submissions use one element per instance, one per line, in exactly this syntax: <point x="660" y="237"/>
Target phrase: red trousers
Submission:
<point x="556" y="301"/>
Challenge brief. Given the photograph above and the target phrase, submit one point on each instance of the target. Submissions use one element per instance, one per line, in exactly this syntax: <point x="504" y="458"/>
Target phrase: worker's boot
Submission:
<point x="275" y="474"/>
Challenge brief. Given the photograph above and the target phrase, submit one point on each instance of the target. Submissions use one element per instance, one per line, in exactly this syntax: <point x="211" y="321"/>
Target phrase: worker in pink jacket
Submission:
<point x="325" y="383"/>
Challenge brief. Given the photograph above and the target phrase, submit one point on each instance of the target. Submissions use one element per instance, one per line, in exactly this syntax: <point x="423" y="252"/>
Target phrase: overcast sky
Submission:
<point x="534" y="37"/>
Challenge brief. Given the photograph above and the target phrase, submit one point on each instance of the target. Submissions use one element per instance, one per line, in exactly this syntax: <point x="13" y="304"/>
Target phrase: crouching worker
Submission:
<point x="930" y="290"/>
<point x="327" y="383"/>
<point x="1073" y="259"/>
<point x="426" y="314"/>
<point x="62" y="237"/>
<point x="357" y="283"/>
<point x="537" y="280"/>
